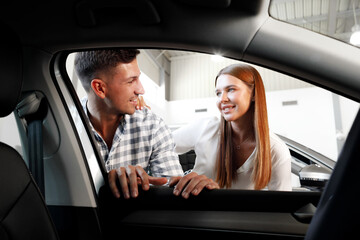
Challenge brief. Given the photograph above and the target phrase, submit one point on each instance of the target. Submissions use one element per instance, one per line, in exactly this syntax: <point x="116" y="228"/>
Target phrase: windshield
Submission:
<point x="338" y="19"/>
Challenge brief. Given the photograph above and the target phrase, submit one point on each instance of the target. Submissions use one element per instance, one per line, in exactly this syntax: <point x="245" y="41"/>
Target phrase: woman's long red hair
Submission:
<point x="226" y="169"/>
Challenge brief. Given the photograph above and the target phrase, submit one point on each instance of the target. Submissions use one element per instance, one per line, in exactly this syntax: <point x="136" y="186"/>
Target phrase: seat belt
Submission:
<point x="33" y="108"/>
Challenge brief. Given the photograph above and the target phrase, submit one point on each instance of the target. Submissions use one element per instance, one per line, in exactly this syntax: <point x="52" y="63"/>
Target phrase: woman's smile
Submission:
<point x="226" y="109"/>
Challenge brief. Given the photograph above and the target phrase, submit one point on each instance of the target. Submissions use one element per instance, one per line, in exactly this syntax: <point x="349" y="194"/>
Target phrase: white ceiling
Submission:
<point x="334" y="18"/>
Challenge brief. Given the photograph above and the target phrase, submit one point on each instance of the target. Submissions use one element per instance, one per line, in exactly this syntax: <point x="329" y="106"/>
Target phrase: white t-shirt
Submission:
<point x="203" y="136"/>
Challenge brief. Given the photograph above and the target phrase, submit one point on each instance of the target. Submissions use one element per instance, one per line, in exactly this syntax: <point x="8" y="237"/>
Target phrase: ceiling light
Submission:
<point x="217" y="58"/>
<point x="355" y="36"/>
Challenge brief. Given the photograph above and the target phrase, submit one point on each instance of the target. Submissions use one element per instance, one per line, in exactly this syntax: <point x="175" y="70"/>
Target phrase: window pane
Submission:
<point x="179" y="87"/>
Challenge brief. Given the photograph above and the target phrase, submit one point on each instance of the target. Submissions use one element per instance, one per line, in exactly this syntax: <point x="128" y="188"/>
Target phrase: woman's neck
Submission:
<point x="243" y="128"/>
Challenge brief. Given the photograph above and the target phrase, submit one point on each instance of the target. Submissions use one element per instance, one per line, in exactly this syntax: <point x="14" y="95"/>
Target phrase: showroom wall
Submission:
<point x="193" y="76"/>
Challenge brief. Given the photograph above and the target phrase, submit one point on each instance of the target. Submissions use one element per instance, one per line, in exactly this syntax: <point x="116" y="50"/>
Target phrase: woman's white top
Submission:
<point x="203" y="137"/>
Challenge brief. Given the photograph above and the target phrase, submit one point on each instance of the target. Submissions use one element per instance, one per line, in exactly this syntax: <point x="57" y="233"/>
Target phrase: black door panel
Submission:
<point x="74" y="222"/>
<point x="232" y="213"/>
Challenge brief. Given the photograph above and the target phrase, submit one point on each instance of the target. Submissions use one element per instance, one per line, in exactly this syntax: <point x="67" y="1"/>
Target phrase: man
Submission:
<point x="132" y="143"/>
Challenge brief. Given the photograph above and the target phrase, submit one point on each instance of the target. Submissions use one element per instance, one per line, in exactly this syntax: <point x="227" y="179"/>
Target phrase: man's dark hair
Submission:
<point x="89" y="63"/>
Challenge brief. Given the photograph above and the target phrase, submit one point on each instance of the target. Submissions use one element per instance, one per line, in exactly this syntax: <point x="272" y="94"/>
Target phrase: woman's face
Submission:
<point x="233" y="97"/>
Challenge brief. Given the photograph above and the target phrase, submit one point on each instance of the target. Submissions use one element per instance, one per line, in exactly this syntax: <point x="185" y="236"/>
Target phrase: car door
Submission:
<point x="228" y="213"/>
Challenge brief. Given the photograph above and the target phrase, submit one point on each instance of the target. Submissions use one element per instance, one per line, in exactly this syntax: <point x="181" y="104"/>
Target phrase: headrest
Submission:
<point x="10" y="70"/>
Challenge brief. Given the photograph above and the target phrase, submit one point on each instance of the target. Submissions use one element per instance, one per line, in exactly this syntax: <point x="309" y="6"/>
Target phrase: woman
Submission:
<point x="238" y="151"/>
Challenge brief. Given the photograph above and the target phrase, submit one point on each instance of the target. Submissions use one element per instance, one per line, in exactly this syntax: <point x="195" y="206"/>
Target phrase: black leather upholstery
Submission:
<point x="23" y="212"/>
<point x="338" y="212"/>
<point x="187" y="160"/>
<point x="11" y="71"/>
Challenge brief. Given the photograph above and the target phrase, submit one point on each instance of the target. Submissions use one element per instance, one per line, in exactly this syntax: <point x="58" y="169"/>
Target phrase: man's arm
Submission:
<point x="164" y="161"/>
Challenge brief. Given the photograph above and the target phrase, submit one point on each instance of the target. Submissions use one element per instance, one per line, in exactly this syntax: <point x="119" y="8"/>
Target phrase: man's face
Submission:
<point x="123" y="88"/>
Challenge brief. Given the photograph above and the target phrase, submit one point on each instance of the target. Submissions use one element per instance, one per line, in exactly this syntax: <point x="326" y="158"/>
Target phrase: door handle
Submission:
<point x="305" y="213"/>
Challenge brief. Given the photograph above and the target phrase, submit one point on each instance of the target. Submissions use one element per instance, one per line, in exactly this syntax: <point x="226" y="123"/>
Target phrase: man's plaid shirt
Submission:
<point x="141" y="139"/>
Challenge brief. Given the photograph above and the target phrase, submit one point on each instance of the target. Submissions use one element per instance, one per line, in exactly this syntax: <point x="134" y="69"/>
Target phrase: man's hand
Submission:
<point x="192" y="183"/>
<point x="129" y="178"/>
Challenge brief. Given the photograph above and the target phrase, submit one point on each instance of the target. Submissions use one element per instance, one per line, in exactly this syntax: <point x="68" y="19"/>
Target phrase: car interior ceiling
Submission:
<point x="250" y="23"/>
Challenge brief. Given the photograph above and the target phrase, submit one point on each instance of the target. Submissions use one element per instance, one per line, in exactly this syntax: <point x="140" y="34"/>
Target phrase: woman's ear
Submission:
<point x="99" y="87"/>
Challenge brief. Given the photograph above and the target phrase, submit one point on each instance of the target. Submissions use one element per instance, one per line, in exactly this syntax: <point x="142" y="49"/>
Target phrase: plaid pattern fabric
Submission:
<point x="141" y="139"/>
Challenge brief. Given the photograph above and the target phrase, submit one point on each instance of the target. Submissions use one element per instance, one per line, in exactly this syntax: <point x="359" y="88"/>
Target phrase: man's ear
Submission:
<point x="99" y="87"/>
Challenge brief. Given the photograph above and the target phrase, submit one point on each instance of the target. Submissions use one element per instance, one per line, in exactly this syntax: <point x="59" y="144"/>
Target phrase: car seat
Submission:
<point x="187" y="160"/>
<point x="23" y="212"/>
